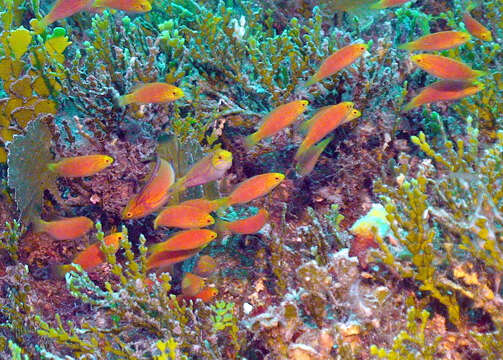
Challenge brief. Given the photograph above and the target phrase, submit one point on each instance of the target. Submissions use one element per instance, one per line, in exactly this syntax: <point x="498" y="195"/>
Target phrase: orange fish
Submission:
<point x="185" y="217"/>
<point x="166" y="258"/>
<point x="277" y="120"/>
<point x="192" y="284"/>
<point x="250" y="225"/>
<point x="80" y="166"/>
<point x="445" y="68"/>
<point x="211" y="167"/>
<point x="338" y="61"/>
<point x="476" y="29"/>
<point x="326" y="121"/>
<point x="135" y="6"/>
<point x="90" y="257"/>
<point x="202" y="204"/>
<point x="307" y="161"/>
<point x="384" y="4"/>
<point x="185" y="240"/>
<point x="153" y="93"/>
<point x="252" y="188"/>
<point x="65" y="229"/>
<point x="206" y="295"/>
<point x="444" y="90"/>
<point x="341" y="109"/>
<point x="61" y="10"/>
<point x="437" y="41"/>
<point x="205" y="266"/>
<point x="154" y="194"/>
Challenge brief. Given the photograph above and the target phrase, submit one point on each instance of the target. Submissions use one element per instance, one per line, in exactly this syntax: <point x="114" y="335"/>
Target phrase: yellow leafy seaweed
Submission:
<point x="10" y="68"/>
<point x="19" y="40"/>
<point x="22" y="87"/>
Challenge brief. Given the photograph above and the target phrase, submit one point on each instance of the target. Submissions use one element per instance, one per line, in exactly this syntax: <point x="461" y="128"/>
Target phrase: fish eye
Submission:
<point x="220" y="157"/>
<point x="276" y="178"/>
<point x="129" y="214"/>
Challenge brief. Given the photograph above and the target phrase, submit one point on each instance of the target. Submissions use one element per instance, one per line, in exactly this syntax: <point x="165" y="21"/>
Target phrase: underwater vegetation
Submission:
<point x="251" y="179"/>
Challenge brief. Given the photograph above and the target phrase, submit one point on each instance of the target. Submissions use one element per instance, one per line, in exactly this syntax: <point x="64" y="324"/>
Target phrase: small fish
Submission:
<point x="192" y="284"/>
<point x="252" y="188"/>
<point x="276" y="120"/>
<point x="437" y="41"/>
<point x="154" y="194"/>
<point x="185" y="240"/>
<point x="205" y="266"/>
<point x="338" y="61"/>
<point x="90" y="257"/>
<point x="65" y="229"/>
<point x="307" y="161"/>
<point x="206" y="295"/>
<point x="153" y="93"/>
<point x="476" y="29"/>
<point x="338" y="110"/>
<point x="211" y="167"/>
<point x="134" y="6"/>
<point x="384" y="4"/>
<point x="362" y="230"/>
<point x="182" y="216"/>
<point x="202" y="204"/>
<point x="327" y="121"/>
<point x="80" y="166"/>
<point x="250" y="225"/>
<point x="444" y="90"/>
<point x="166" y="258"/>
<point x="61" y="10"/>
<point x="445" y="68"/>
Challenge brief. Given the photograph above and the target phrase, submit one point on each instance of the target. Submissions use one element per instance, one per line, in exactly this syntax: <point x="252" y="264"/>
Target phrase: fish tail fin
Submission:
<point x="479" y="73"/>
<point x="407" y="46"/>
<point x="155" y="248"/>
<point x="471" y="5"/>
<point x="304" y="126"/>
<point x="59" y="271"/>
<point x="38" y="225"/>
<point x="177" y="187"/>
<point x="96" y="4"/>
<point x="300" y="151"/>
<point x="251" y="140"/>
<point x="156" y="225"/>
<point x="410" y="105"/>
<point x="312" y="80"/>
<point x="220" y="228"/>
<point x="222" y="203"/>
<point x="376" y="6"/>
<point x="125" y="100"/>
<point x="52" y="167"/>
